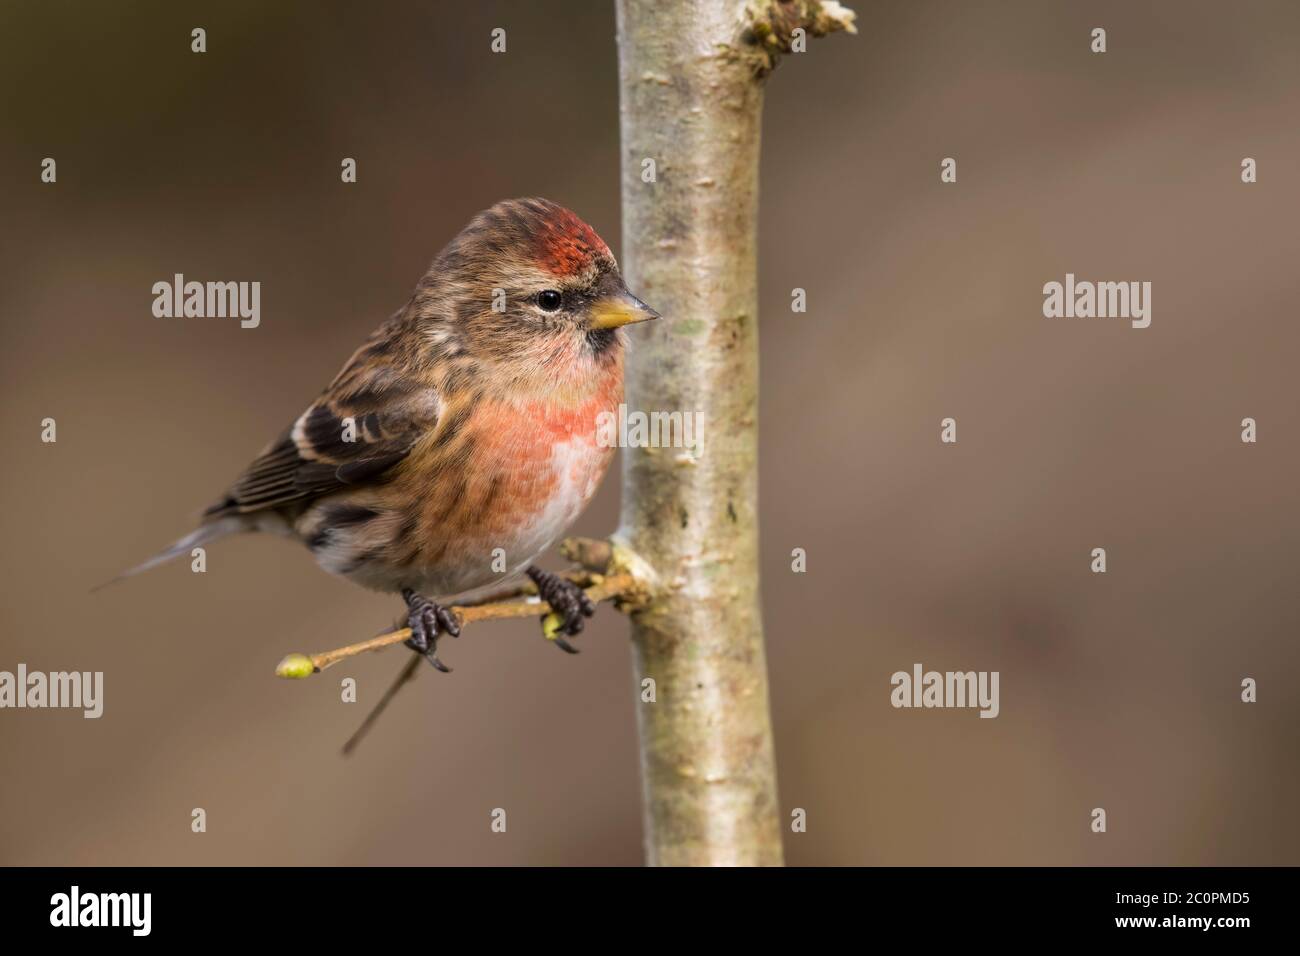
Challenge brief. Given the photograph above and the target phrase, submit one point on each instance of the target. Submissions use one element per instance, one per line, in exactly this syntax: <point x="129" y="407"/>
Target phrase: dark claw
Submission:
<point x="566" y="599"/>
<point x="426" y="621"/>
<point x="447" y="620"/>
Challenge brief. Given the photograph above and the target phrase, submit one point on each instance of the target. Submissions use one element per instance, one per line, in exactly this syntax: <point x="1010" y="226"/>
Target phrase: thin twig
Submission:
<point x="407" y="674"/>
<point x="602" y="588"/>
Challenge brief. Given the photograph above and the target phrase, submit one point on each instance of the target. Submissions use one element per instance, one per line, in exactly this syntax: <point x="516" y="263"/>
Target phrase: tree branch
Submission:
<point x="690" y="76"/>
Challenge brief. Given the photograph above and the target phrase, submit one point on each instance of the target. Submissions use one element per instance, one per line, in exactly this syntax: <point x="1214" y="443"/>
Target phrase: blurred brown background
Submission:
<point x="1118" y="690"/>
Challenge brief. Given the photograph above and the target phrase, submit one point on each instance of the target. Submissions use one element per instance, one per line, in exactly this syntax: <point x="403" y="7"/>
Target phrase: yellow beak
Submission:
<point x="621" y="309"/>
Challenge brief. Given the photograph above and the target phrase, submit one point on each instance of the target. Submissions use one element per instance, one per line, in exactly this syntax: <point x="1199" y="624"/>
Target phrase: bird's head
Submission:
<point x="528" y="278"/>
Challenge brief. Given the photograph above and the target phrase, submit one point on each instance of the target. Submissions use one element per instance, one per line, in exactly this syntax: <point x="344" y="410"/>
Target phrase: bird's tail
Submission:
<point x="208" y="531"/>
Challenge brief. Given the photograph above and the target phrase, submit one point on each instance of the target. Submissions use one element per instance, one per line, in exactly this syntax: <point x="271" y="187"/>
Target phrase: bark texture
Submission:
<point x="691" y="79"/>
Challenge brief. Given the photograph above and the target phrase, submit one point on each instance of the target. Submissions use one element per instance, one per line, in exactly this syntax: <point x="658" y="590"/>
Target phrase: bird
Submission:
<point x="466" y="423"/>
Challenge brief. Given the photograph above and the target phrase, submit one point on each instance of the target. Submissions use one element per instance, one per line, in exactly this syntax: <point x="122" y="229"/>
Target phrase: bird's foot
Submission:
<point x="568" y="601"/>
<point x="426" y="621"/>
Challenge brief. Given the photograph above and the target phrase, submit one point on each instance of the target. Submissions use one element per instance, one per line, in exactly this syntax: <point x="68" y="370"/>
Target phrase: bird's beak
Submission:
<point x="622" y="308"/>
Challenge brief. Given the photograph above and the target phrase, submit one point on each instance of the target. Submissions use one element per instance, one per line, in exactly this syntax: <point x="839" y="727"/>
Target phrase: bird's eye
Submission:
<point x="549" y="300"/>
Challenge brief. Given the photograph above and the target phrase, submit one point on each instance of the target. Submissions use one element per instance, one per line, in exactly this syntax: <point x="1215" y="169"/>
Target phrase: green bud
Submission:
<point x="295" y="667"/>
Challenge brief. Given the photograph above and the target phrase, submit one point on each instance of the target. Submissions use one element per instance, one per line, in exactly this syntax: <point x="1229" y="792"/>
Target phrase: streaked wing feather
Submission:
<point x="313" y="458"/>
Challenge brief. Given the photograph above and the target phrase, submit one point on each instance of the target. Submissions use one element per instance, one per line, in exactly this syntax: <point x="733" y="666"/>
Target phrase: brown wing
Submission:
<point x="365" y="423"/>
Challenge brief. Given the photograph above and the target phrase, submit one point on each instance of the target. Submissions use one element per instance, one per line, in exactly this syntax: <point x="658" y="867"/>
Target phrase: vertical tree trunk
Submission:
<point x="690" y="76"/>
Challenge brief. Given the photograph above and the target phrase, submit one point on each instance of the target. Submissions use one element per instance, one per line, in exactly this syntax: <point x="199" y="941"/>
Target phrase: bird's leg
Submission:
<point x="426" y="621"/>
<point x="566" y="599"/>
